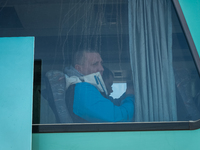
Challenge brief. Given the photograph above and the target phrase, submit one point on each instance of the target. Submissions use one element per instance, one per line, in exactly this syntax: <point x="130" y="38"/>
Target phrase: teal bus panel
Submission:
<point x="139" y="140"/>
<point x="16" y="59"/>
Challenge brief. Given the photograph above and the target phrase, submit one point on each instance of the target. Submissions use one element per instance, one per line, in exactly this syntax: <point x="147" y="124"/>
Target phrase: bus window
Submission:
<point x="153" y="74"/>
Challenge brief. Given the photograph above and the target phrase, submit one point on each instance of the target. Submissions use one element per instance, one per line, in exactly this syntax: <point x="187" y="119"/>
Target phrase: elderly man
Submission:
<point x="85" y="100"/>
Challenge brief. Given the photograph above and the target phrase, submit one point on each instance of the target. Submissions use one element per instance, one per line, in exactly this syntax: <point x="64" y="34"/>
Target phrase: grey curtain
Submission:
<point x="150" y="35"/>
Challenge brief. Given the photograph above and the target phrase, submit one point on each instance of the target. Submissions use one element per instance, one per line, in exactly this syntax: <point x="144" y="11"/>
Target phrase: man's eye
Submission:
<point x="95" y="64"/>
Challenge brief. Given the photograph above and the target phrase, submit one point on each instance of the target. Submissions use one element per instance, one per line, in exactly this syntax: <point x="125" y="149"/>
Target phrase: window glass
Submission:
<point x="186" y="75"/>
<point x="106" y="60"/>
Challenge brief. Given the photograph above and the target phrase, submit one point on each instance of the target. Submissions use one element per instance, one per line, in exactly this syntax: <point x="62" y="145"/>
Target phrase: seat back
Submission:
<point x="56" y="87"/>
<point x="185" y="96"/>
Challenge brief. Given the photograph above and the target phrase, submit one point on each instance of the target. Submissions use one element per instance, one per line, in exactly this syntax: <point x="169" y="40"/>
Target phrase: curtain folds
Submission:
<point x="150" y="41"/>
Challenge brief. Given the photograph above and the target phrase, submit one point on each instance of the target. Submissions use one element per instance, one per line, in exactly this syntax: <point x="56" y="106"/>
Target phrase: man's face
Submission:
<point x="108" y="83"/>
<point x="92" y="63"/>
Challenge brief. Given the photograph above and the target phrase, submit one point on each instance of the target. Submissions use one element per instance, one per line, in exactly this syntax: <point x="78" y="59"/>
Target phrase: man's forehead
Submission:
<point x="92" y="56"/>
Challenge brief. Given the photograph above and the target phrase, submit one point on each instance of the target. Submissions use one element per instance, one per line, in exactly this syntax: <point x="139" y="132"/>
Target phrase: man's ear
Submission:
<point x="78" y="68"/>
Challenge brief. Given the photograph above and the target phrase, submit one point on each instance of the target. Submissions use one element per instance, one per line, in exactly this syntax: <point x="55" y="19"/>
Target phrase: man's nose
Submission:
<point x="100" y="68"/>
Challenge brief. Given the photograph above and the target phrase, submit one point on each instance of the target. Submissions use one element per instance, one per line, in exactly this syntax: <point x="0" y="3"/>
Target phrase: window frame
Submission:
<point x="187" y="33"/>
<point x="131" y="126"/>
<point x="111" y="127"/>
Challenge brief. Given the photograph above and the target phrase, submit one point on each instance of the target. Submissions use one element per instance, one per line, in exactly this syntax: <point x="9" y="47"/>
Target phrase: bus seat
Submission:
<point x="56" y="85"/>
<point x="186" y="107"/>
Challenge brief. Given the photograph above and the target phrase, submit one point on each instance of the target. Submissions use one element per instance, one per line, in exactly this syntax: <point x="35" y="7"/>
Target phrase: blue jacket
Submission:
<point x="90" y="105"/>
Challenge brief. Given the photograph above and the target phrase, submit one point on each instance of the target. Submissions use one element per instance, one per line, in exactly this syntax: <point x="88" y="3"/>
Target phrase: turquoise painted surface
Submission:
<point x="16" y="80"/>
<point x="191" y="11"/>
<point x="151" y="140"/>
